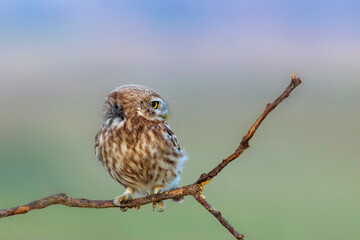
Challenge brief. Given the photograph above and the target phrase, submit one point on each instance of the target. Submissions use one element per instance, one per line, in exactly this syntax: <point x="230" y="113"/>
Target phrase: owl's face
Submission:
<point x="153" y="108"/>
<point x="131" y="101"/>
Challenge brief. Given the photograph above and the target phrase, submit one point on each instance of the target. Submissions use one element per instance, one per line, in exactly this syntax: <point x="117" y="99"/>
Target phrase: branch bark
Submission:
<point x="194" y="189"/>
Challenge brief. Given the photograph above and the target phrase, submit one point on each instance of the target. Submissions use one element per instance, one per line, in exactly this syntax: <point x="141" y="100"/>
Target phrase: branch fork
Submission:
<point x="194" y="189"/>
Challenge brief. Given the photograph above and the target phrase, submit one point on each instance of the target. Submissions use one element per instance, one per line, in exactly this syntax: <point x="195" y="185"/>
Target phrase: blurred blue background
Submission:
<point x="217" y="63"/>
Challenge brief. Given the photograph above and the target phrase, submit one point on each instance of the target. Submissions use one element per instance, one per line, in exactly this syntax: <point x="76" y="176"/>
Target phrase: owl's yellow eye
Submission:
<point x="154" y="104"/>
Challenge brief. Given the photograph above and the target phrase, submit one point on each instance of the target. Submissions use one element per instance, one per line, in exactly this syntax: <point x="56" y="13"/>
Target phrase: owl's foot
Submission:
<point x="162" y="206"/>
<point x="157" y="191"/>
<point x="127" y="195"/>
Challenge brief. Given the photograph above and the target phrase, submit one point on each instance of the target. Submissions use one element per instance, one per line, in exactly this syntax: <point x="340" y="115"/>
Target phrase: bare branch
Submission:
<point x="217" y="214"/>
<point x="63" y="199"/>
<point x="244" y="144"/>
<point x="60" y="198"/>
<point x="194" y="189"/>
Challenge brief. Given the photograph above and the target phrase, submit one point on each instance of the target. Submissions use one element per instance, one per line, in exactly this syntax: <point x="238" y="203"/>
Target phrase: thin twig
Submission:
<point x="194" y="189"/>
<point x="217" y="214"/>
<point x="244" y="144"/>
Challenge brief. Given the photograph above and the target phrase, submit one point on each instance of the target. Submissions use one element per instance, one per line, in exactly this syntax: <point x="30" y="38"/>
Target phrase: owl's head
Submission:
<point x="131" y="101"/>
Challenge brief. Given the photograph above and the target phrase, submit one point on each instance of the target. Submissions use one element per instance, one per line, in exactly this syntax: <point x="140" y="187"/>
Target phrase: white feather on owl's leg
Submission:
<point x="157" y="190"/>
<point x="128" y="194"/>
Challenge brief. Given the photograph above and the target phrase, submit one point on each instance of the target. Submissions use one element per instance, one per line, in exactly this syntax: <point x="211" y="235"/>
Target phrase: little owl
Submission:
<point x="136" y="145"/>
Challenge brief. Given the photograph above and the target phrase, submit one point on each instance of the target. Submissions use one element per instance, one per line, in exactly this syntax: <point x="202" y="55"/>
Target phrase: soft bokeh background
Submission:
<point x="217" y="64"/>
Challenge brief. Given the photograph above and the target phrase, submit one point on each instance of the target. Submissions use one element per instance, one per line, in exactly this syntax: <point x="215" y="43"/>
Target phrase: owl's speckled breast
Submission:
<point x="140" y="154"/>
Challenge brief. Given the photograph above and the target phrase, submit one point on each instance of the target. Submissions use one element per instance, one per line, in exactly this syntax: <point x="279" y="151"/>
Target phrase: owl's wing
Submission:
<point x="173" y="138"/>
<point x="97" y="140"/>
<point x="97" y="145"/>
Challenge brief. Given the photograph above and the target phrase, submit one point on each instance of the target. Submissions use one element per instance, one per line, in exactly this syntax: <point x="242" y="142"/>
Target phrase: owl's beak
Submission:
<point x="166" y="116"/>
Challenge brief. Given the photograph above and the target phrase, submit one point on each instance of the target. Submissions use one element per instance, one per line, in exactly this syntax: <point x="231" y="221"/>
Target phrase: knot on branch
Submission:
<point x="202" y="178"/>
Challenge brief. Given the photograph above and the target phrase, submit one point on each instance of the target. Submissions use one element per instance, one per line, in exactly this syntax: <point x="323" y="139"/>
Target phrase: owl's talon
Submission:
<point x="122" y="198"/>
<point x="159" y="191"/>
<point x="162" y="206"/>
<point x="148" y="193"/>
<point x="127" y="195"/>
<point x="123" y="209"/>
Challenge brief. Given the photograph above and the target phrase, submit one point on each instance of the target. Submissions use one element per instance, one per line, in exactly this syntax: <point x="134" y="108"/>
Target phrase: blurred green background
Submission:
<point x="217" y="64"/>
